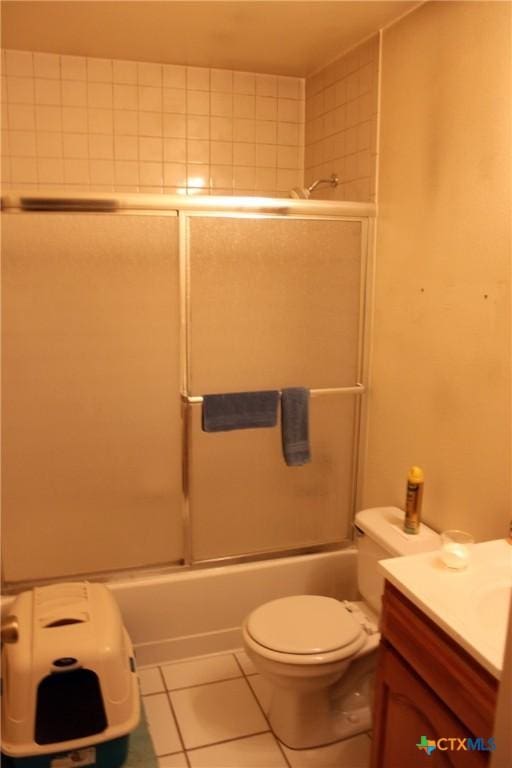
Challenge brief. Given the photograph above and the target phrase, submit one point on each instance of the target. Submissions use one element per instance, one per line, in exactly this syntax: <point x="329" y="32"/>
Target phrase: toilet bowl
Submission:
<point x="317" y="653"/>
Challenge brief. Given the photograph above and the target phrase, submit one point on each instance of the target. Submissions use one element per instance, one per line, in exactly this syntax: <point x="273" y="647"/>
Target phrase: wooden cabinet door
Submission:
<point x="407" y="709"/>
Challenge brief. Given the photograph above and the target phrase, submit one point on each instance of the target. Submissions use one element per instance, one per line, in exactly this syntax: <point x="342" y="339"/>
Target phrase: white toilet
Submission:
<point x="318" y="653"/>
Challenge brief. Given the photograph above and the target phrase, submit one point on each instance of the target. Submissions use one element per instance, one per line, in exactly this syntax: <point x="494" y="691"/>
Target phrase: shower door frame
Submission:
<point x="358" y="389"/>
<point x="187" y="208"/>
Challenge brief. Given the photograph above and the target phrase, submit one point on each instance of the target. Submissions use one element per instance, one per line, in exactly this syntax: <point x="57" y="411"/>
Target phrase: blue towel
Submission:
<point x="295" y="426"/>
<point x="239" y="410"/>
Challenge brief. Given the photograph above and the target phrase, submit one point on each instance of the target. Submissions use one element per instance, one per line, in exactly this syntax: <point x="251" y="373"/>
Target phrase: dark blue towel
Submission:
<point x="295" y="426"/>
<point x="239" y="410"/>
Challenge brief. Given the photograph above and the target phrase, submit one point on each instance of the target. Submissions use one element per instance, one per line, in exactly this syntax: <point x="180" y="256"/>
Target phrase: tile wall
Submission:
<point x="102" y="125"/>
<point x="341" y="124"/>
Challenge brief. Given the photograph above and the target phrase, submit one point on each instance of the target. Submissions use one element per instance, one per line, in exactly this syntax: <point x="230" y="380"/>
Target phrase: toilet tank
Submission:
<point x="380" y="535"/>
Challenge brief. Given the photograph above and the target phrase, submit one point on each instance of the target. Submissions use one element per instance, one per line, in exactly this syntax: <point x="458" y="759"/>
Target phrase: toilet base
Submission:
<point x="310" y="719"/>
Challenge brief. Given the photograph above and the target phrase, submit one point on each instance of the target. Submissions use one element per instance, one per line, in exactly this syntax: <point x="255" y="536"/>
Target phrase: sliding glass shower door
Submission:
<point x="272" y="302"/>
<point x="115" y="325"/>
<point x="91" y="412"/>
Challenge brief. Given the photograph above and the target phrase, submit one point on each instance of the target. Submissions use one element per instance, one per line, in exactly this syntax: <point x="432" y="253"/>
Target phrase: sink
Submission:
<point x="492" y="605"/>
<point x="471" y="605"/>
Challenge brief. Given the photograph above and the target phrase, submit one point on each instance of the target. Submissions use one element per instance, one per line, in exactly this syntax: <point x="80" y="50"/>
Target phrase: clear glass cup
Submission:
<point x="456" y="549"/>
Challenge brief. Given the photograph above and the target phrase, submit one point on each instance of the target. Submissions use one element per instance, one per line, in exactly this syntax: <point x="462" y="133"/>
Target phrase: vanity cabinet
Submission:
<point x="427" y="685"/>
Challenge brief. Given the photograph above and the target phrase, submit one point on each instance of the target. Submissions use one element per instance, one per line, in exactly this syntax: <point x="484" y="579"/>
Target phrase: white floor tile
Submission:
<point x="150" y="680"/>
<point x="162" y="727"/>
<point x="253" y="752"/>
<point x="206" y="670"/>
<point x="352" y="753"/>
<point x="245" y="662"/>
<point x="262" y="689"/>
<point x="173" y="761"/>
<point x="210" y="713"/>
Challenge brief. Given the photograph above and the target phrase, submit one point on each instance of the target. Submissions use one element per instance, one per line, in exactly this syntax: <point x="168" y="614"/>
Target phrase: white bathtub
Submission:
<point x="196" y="612"/>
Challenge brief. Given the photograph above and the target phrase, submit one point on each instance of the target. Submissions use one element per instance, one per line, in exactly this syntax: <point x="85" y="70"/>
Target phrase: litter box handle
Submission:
<point x="9" y="633"/>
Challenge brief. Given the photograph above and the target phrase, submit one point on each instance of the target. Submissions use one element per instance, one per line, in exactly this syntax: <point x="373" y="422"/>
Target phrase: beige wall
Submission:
<point x="440" y="388"/>
<point x="341" y="124"/>
<point x="103" y="125"/>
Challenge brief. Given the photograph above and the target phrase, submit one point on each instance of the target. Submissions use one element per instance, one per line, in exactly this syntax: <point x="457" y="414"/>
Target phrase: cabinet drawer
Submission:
<point x="463" y="684"/>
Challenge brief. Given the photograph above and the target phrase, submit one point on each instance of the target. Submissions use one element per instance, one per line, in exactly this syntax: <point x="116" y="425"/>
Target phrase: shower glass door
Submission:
<point x="91" y="459"/>
<point x="272" y="302"/>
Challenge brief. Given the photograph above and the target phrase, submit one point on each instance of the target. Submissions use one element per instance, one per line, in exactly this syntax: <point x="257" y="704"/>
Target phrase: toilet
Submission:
<point x="317" y="653"/>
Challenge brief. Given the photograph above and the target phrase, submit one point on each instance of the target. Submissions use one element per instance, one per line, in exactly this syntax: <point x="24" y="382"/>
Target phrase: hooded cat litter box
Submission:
<point x="70" y="692"/>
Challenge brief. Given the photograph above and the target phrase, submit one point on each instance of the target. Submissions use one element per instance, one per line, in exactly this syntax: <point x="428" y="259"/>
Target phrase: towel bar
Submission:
<point x="358" y="389"/>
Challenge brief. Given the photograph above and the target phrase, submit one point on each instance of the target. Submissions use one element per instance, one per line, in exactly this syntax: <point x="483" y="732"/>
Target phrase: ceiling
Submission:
<point x="289" y="38"/>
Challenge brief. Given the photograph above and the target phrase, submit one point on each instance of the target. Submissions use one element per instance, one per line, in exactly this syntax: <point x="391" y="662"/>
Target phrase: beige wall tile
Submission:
<point x="125" y="72"/>
<point x="266" y="85"/>
<point x="266" y="108"/>
<point x="198" y="151"/>
<point x="244" y="129"/>
<point x="51" y="170"/>
<point x="20" y="90"/>
<point x="175" y="174"/>
<point x="21" y="117"/>
<point x="175" y="150"/>
<point x="149" y="74"/>
<point x="99" y="71"/>
<point x="150" y="98"/>
<point x="125" y="125"/>
<point x="174" y="100"/>
<point x="102" y="120"/>
<point x="23" y="169"/>
<point x="74" y="93"/>
<point x="221" y="152"/>
<point x="73" y="67"/>
<point x="222" y="105"/>
<point x="19" y="63"/>
<point x="198" y="176"/>
<point x="174" y="76"/>
<point x="244" y="82"/>
<point x="198" y="103"/>
<point x="102" y="171"/>
<point x="198" y="78"/>
<point x="199" y="127"/>
<point x="74" y="119"/>
<point x="100" y="95"/>
<point x="150" y="124"/>
<point x="221" y="129"/>
<point x="101" y="147"/>
<point x="126" y="147"/>
<point x="221" y="80"/>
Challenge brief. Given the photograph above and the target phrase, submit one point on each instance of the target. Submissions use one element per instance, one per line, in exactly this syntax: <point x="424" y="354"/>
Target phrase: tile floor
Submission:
<point x="209" y="712"/>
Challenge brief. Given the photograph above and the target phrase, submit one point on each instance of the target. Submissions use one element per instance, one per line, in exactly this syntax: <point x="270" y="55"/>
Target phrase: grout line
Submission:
<point x="280" y="746"/>
<point x="227" y="741"/>
<point x="195" y="685"/>
<point x="180" y="736"/>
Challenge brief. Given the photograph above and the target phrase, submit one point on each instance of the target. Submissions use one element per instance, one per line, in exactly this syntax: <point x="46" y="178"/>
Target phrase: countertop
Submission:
<point x="470" y="605"/>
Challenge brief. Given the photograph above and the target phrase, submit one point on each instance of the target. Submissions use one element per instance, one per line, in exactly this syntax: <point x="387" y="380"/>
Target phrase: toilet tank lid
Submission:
<point x="385" y="526"/>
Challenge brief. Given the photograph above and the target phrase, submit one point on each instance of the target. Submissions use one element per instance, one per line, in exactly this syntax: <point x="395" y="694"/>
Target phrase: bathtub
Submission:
<point x="195" y="612"/>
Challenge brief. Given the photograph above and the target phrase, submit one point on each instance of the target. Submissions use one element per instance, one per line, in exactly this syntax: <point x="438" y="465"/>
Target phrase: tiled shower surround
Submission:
<point x="103" y="125"/>
<point x="341" y="124"/>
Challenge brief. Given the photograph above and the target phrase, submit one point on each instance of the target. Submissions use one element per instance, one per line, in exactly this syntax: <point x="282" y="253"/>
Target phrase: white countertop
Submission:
<point x="470" y="605"/>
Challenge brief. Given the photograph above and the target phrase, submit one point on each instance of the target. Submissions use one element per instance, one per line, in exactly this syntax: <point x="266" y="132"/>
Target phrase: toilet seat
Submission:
<point x="304" y="629"/>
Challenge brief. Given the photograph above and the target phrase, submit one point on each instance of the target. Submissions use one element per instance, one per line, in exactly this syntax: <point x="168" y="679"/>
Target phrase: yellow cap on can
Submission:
<point x="415" y="475"/>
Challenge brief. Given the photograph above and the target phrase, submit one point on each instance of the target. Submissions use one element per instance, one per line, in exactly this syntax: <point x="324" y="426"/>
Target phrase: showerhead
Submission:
<point x="305" y="194"/>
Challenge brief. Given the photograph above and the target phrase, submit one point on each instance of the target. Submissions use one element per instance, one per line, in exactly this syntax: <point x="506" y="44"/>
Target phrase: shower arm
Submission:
<point x="333" y="181"/>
